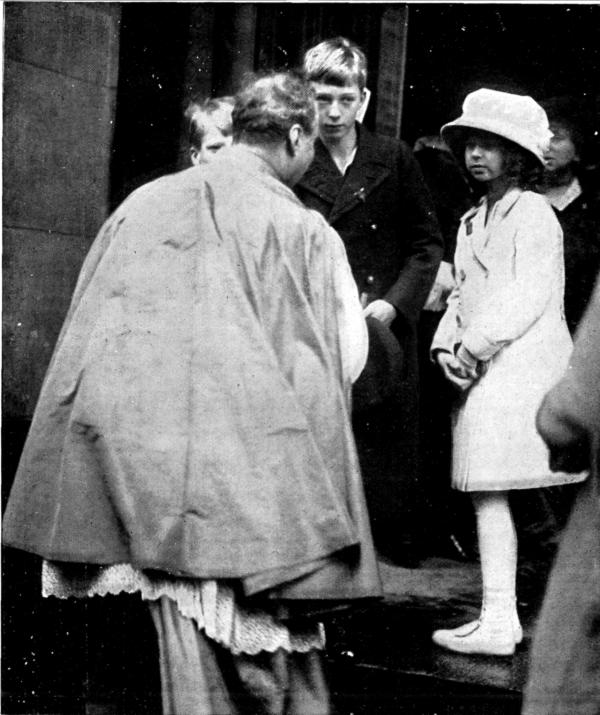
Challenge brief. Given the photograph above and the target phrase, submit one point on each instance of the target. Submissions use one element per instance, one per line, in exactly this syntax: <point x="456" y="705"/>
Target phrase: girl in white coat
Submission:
<point x="503" y="342"/>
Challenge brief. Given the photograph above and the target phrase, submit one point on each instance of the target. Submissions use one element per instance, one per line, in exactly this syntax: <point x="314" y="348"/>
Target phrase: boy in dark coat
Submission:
<point x="371" y="190"/>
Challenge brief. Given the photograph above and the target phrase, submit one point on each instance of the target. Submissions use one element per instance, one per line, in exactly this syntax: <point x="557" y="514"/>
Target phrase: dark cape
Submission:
<point x="194" y="418"/>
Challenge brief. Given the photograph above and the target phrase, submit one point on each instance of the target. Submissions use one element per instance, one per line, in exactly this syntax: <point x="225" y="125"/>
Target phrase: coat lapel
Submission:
<point x="482" y="249"/>
<point x="370" y="167"/>
<point x="372" y="164"/>
<point x="322" y="177"/>
<point x="477" y="232"/>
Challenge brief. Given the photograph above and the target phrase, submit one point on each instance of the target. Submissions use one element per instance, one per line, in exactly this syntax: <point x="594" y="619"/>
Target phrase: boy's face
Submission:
<point x="337" y="108"/>
<point x="217" y="134"/>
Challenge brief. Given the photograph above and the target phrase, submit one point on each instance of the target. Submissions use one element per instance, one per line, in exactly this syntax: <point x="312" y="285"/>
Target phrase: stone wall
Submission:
<point x="60" y="78"/>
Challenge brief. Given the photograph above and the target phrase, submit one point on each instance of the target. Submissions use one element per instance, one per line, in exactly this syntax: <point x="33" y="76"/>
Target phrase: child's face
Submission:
<point x="337" y="108"/>
<point x="562" y="151"/>
<point x="217" y="134"/>
<point x="484" y="156"/>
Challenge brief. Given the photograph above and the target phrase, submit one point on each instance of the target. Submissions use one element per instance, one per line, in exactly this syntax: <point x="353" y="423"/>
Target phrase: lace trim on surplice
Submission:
<point x="211" y="604"/>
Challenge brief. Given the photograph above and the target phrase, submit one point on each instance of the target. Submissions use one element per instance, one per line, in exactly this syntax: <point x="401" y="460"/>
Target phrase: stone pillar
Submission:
<point x="243" y="40"/>
<point x="235" y="48"/>
<point x="392" y="64"/>
<point x="60" y="78"/>
<point x="198" y="73"/>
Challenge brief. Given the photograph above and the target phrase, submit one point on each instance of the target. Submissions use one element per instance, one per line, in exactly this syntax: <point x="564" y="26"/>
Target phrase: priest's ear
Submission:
<point x="292" y="139"/>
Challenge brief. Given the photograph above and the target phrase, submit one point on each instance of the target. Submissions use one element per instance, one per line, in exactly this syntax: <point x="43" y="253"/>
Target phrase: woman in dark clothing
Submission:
<point x="575" y="197"/>
<point x="576" y="201"/>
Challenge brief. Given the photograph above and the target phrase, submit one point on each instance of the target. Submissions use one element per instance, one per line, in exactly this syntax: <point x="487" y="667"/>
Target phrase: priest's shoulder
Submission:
<point x="163" y="189"/>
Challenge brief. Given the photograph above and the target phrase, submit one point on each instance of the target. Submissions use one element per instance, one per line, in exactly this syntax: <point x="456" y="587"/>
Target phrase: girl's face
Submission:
<point x="484" y="156"/>
<point x="562" y="152"/>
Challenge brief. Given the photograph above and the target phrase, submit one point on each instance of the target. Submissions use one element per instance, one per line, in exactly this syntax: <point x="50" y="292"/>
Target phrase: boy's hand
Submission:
<point x="382" y="310"/>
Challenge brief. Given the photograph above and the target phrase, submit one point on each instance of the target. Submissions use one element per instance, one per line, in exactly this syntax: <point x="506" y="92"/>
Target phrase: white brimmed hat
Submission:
<point x="512" y="116"/>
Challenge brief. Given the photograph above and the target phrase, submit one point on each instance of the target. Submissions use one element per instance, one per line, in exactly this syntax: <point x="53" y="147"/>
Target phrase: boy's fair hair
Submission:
<point x="198" y="109"/>
<point x="336" y="61"/>
<point x="270" y="104"/>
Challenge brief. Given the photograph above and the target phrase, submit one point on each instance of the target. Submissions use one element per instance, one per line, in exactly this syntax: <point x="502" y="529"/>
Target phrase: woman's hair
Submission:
<point x="569" y="113"/>
<point x="269" y="105"/>
<point x="337" y="61"/>
<point x="579" y="117"/>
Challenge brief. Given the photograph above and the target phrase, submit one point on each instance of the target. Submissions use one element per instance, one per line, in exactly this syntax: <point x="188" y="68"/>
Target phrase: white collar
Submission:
<point x="503" y="205"/>
<point x="561" y="196"/>
<point x="344" y="167"/>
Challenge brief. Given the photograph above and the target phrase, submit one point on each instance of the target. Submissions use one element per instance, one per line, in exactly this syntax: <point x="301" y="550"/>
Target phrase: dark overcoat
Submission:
<point x="384" y="213"/>
<point x="194" y="417"/>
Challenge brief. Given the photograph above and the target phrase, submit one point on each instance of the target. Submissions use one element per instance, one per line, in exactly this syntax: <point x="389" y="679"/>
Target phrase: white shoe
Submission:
<point x="469" y="627"/>
<point x="479" y="637"/>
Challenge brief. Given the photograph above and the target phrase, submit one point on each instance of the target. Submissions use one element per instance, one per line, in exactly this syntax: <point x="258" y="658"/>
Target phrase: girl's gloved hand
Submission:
<point x="468" y="362"/>
<point x="454" y="371"/>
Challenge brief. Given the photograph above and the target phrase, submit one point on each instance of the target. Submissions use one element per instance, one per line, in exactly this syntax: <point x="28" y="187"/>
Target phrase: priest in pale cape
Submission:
<point x="192" y="439"/>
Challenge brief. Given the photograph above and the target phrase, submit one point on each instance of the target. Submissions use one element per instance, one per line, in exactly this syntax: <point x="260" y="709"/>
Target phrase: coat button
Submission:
<point x="370" y="280"/>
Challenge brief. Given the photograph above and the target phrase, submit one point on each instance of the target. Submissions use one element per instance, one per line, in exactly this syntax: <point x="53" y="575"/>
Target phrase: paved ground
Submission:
<point x="384" y="662"/>
<point x="381" y="658"/>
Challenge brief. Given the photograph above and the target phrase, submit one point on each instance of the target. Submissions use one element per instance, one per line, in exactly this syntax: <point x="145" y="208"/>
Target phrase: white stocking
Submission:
<point x="498" y="551"/>
<point x="497" y="542"/>
<point x="497" y="631"/>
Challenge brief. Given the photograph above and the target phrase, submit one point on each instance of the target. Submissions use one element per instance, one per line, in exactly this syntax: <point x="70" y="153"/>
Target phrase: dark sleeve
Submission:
<point x="420" y="234"/>
<point x="570" y="412"/>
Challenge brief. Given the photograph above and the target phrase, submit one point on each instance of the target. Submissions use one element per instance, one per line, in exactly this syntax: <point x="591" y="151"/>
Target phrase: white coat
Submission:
<point x="507" y="311"/>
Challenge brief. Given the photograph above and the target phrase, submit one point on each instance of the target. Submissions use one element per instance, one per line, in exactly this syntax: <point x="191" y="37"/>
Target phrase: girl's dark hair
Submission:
<point x="521" y="167"/>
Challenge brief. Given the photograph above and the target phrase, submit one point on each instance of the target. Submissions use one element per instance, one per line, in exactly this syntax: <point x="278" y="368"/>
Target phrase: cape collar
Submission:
<point x="242" y="159"/>
<point x="246" y="159"/>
